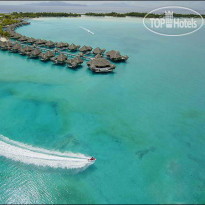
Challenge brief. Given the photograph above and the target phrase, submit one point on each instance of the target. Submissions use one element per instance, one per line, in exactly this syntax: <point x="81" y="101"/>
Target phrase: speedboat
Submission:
<point x="92" y="159"/>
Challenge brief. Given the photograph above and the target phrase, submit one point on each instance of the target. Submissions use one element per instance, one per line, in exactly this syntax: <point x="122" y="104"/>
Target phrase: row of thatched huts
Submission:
<point x="32" y="48"/>
<point x="33" y="52"/>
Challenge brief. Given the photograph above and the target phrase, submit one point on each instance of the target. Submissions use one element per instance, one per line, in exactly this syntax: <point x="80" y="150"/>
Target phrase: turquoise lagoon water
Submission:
<point x="144" y="123"/>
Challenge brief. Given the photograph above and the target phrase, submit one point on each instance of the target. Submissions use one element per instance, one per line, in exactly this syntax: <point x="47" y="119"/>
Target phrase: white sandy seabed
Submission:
<point x="3" y="39"/>
<point x="41" y="157"/>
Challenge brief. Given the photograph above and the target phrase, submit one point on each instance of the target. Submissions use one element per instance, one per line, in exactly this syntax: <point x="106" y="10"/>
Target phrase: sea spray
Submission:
<point x="41" y="157"/>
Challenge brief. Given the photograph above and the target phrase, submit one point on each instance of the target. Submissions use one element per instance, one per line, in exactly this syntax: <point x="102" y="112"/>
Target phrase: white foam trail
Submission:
<point x="89" y="31"/>
<point x="41" y="157"/>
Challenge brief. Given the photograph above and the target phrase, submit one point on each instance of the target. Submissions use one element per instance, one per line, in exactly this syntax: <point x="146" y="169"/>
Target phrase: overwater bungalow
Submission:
<point x="3" y="46"/>
<point x="49" y="54"/>
<point x="28" y="49"/>
<point x="78" y="60"/>
<point x="62" y="45"/>
<point x="72" y="65"/>
<point x="50" y="44"/>
<point x="22" y="51"/>
<point x="16" y="48"/>
<point x="85" y="49"/>
<point x="31" y="40"/>
<point x="35" y="53"/>
<point x="8" y="45"/>
<point x="41" y="42"/>
<point x="100" y="65"/>
<point x="16" y="36"/>
<point x="98" y="51"/>
<point x="73" y="47"/>
<point x="98" y="56"/>
<point x="75" y="62"/>
<point x="23" y="39"/>
<point x="116" y="56"/>
<point x="60" y="59"/>
<point x="12" y="34"/>
<point x="44" y="57"/>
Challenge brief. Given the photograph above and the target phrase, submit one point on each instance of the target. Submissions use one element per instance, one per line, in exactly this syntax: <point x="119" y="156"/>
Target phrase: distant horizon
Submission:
<point x="94" y="6"/>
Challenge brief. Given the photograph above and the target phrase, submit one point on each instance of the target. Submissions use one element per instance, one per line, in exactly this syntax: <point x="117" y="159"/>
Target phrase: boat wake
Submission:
<point x="89" y="31"/>
<point x="41" y="157"/>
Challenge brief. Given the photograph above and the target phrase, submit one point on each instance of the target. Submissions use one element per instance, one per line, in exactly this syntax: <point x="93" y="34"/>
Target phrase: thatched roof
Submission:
<point x="31" y="40"/>
<point x="23" y="38"/>
<point x="73" y="47"/>
<point x="28" y="48"/>
<point x="17" y="46"/>
<point x="116" y="56"/>
<point x="100" y="65"/>
<point x="61" y="45"/>
<point x="17" y="36"/>
<point x="98" y="56"/>
<point x="100" y="62"/>
<point x="69" y="61"/>
<point x="78" y="60"/>
<point x="98" y="51"/>
<point x="74" y="64"/>
<point x="22" y="50"/>
<point x="61" y="58"/>
<point x="85" y="48"/>
<point x="49" y="54"/>
<point x="39" y="41"/>
<point x="44" y="41"/>
<point x="9" y="44"/>
<point x="50" y="44"/>
<point x="43" y="57"/>
<point x="12" y="34"/>
<point x="35" y="52"/>
<point x="113" y="54"/>
<point x="3" y="44"/>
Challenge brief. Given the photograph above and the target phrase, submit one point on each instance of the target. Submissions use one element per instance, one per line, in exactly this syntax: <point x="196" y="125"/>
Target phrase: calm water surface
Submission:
<point x="144" y="123"/>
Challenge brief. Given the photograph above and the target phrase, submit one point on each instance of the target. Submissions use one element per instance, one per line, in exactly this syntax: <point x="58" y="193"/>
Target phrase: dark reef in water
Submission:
<point x="68" y="139"/>
<point x="6" y="93"/>
<point x="142" y="153"/>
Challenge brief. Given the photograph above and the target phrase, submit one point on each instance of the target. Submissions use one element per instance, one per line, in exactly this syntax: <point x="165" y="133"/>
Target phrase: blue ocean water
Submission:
<point x="143" y="123"/>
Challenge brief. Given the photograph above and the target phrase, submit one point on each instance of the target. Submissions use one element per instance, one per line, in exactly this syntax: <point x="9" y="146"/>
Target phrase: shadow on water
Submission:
<point x="95" y="74"/>
<point x="58" y="66"/>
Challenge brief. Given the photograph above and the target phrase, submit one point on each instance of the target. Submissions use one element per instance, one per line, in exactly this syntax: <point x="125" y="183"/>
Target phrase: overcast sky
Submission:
<point x="195" y="4"/>
<point x="140" y="6"/>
